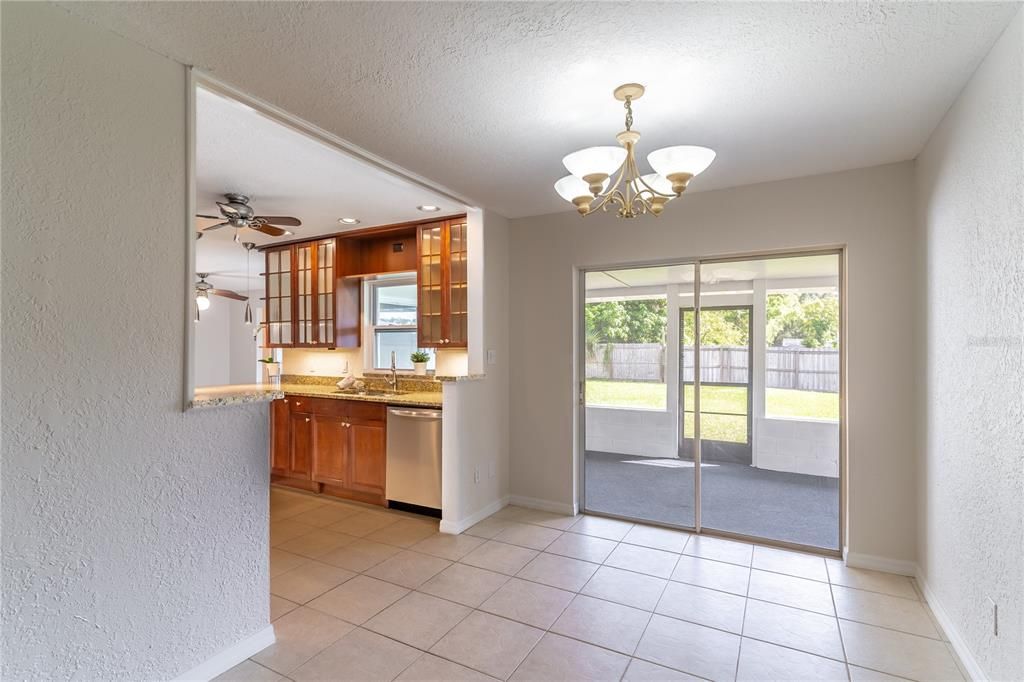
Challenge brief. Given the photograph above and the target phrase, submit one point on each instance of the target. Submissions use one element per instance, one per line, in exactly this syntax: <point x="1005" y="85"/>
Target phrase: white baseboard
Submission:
<point x="456" y="527"/>
<point x="881" y="563"/>
<point x="952" y="632"/>
<point x="230" y="657"/>
<point x="543" y="505"/>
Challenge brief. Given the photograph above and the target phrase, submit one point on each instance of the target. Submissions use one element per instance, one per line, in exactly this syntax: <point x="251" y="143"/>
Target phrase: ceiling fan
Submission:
<point x="237" y="213"/>
<point x="204" y="290"/>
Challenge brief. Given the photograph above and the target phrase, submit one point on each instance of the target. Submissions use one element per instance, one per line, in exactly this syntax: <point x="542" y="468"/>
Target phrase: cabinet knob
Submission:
<point x="297" y="402"/>
<point x="286" y="401"/>
<point x="307" y="418"/>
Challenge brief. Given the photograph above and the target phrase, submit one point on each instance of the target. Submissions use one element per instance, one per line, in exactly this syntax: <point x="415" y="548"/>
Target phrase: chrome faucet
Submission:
<point x="392" y="380"/>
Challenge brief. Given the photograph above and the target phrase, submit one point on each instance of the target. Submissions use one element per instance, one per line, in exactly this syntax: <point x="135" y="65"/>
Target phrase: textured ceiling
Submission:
<point x="485" y="98"/>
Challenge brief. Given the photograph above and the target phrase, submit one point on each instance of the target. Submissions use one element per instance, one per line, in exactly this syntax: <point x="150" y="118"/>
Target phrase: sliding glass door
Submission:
<point x="714" y="404"/>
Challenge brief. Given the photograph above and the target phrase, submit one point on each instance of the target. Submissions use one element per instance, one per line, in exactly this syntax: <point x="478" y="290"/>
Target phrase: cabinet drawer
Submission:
<point x="365" y="411"/>
<point x="325" y="406"/>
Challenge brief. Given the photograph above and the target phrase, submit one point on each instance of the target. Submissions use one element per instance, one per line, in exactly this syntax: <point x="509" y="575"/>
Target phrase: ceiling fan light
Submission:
<point x="594" y="161"/>
<point x="681" y="159"/>
<point x="202" y="300"/>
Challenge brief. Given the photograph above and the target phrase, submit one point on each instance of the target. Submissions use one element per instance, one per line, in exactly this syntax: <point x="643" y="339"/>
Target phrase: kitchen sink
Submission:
<point x="376" y="393"/>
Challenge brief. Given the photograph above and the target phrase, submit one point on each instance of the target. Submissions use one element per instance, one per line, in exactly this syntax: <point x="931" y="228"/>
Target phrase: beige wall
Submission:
<point x="869" y="210"/>
<point x="134" y="535"/>
<point x="971" y="478"/>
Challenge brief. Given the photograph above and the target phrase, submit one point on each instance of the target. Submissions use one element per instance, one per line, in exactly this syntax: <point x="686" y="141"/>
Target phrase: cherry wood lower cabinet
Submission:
<point x="330" y="445"/>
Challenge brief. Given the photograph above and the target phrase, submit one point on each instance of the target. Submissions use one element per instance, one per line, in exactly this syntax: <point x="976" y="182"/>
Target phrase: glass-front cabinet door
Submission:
<point x="304" y="295"/>
<point x="325" y="292"/>
<point x="300" y="286"/>
<point x="443" y="279"/>
<point x="278" y="300"/>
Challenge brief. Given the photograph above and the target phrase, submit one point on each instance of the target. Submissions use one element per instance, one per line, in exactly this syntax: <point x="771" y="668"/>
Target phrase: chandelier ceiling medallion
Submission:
<point x="587" y="188"/>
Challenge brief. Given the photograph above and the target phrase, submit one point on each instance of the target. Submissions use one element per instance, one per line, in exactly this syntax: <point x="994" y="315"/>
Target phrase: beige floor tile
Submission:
<point x="280" y="606"/>
<point x="417" y="619"/>
<point x="359" y="656"/>
<point x="691" y="648"/>
<point x="404" y="533"/>
<point x="654" y="562"/>
<point x="448" y="546"/>
<point x="800" y="593"/>
<point x="858" y="674"/>
<point x="326" y="514"/>
<point x="316" y="543"/>
<point x="409" y="569"/>
<point x="283" y="531"/>
<point x="490" y="644"/>
<point x="874" y="581"/>
<point x="430" y="668"/>
<point x="359" y="555"/>
<point x="718" y="549"/>
<point x="600" y="527"/>
<point x="560" y="658"/>
<point x="528" y="535"/>
<point x="803" y="630"/>
<point x="466" y="585"/>
<point x="603" y="623"/>
<point x="288" y="508"/>
<point x="499" y="557"/>
<point x="585" y="547"/>
<point x="558" y="571"/>
<point x="760" y="661"/>
<point x="526" y="602"/>
<point x="308" y="581"/>
<point x="359" y="599"/>
<point x="488" y="528"/>
<point x="703" y="606"/>
<point x="896" y="653"/>
<point x="625" y="587"/>
<point x="657" y="538"/>
<point x="791" y="563"/>
<point x="543" y="518"/>
<point x="712" y="574"/>
<point x="282" y="561"/>
<point x="642" y="671"/>
<point x="873" y="608"/>
<point x="364" y="523"/>
<point x="249" y="671"/>
<point x="510" y="512"/>
<point x="301" y="634"/>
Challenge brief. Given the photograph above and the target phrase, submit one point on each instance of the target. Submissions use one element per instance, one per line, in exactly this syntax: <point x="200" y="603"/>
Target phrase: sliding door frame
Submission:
<point x="579" y="390"/>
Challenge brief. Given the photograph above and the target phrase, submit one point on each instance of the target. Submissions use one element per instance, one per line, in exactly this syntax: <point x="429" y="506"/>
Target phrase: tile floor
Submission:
<point x="359" y="593"/>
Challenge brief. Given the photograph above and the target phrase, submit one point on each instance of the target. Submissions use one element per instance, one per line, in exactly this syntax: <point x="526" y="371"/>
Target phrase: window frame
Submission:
<point x="370" y="326"/>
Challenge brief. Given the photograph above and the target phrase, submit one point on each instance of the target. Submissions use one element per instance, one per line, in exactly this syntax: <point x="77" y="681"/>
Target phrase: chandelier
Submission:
<point x="587" y="188"/>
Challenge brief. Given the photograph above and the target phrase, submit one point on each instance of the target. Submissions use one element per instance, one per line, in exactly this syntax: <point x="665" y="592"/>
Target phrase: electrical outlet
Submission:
<point x="995" y="615"/>
<point x="492" y="357"/>
<point x="476" y="474"/>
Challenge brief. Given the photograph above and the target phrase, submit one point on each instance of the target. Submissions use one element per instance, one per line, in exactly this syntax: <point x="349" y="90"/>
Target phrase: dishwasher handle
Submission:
<point x="430" y="415"/>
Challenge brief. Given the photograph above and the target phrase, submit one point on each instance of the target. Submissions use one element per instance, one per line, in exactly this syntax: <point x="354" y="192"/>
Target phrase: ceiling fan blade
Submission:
<point x="270" y="229"/>
<point x="216" y="227"/>
<point x="227" y="293"/>
<point x="204" y="220"/>
<point x="286" y="220"/>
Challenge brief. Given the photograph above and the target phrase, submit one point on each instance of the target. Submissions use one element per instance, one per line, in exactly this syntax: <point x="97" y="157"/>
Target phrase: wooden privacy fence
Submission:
<point x="803" y="369"/>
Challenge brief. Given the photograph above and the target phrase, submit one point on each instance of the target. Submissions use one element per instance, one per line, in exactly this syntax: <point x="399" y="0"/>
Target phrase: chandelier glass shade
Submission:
<point x="603" y="177"/>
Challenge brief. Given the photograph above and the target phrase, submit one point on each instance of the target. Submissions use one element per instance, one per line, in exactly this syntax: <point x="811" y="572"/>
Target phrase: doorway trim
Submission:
<point x="579" y="389"/>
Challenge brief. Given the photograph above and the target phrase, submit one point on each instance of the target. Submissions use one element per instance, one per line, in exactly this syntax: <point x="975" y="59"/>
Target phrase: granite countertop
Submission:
<point x="412" y="399"/>
<point x="217" y="396"/>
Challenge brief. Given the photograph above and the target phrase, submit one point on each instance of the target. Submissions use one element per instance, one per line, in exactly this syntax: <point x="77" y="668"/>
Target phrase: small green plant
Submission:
<point x="420" y="356"/>
<point x="267" y="359"/>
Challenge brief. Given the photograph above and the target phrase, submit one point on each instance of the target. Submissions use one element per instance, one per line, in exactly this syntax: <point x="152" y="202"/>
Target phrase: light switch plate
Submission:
<point x="492" y="357"/>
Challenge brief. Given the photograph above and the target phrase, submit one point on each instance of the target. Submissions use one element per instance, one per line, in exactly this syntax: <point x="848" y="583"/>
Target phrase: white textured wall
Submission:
<point x="971" y="214"/>
<point x="870" y="210"/>
<point x="475" y="434"/>
<point x="134" y="536"/>
<point x="212" y="351"/>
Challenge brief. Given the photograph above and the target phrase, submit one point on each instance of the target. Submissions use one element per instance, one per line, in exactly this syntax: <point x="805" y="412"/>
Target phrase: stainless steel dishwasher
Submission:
<point x="414" y="459"/>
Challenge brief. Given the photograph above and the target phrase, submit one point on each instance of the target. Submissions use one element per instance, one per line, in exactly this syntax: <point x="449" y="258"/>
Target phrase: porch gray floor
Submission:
<point x="735" y="497"/>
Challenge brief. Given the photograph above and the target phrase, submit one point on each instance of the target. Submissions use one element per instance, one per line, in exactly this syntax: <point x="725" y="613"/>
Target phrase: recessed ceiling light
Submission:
<point x="429" y="208"/>
<point x="348" y="221"/>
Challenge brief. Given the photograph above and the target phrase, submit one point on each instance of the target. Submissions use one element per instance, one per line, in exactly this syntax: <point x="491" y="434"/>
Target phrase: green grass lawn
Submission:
<point x="780" y="402"/>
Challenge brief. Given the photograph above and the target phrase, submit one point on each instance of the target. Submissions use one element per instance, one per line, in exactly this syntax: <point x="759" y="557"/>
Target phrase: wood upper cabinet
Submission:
<point x="442" y="277"/>
<point x="299" y="304"/>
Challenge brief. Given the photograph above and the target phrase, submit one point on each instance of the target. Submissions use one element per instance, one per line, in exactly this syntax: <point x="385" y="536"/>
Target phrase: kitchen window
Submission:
<point x="391" y="323"/>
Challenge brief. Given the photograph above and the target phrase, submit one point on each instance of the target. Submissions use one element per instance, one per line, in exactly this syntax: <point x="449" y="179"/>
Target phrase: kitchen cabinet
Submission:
<point x="299" y="306"/>
<point x="442" y="278"/>
<point x="330" y="445"/>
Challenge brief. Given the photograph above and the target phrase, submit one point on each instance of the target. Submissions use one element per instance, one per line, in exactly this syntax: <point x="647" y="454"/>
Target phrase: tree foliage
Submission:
<point x="813" y="318"/>
<point x="626" y="321"/>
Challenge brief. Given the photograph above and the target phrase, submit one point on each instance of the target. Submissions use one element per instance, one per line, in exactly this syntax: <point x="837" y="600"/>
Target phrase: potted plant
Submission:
<point x="273" y="368"/>
<point x="420" y="359"/>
